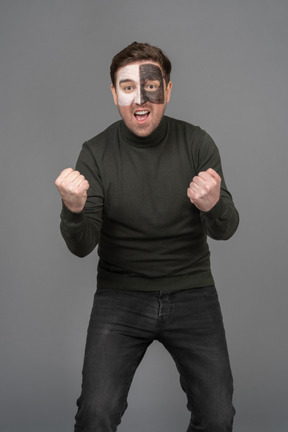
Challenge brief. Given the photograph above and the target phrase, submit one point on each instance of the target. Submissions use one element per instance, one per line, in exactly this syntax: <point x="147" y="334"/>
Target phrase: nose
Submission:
<point x="140" y="97"/>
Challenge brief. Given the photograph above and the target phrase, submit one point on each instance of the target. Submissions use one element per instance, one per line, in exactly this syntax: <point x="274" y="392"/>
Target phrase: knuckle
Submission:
<point x="67" y="186"/>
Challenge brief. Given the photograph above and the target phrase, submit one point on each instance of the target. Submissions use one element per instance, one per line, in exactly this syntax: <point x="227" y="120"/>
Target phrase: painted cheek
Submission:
<point x="156" y="97"/>
<point x="125" y="99"/>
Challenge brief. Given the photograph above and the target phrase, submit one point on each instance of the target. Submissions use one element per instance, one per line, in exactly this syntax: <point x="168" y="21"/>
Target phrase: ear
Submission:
<point x="168" y="89"/>
<point x="114" y="93"/>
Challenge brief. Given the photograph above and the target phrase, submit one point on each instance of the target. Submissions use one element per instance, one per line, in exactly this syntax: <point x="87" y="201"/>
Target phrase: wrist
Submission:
<point x="72" y="208"/>
<point x="69" y="214"/>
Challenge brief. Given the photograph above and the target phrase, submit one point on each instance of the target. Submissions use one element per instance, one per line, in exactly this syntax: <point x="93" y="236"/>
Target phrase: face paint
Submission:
<point x="139" y="84"/>
<point x="151" y="83"/>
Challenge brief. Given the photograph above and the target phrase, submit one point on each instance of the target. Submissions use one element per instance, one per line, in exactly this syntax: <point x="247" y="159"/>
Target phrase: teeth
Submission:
<point x="141" y="112"/>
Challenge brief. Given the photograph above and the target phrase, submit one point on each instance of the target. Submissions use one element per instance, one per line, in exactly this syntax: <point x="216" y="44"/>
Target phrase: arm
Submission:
<point x="82" y="198"/>
<point x="209" y="193"/>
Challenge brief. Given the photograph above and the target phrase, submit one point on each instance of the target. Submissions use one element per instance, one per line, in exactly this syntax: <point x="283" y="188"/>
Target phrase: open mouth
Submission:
<point x="141" y="115"/>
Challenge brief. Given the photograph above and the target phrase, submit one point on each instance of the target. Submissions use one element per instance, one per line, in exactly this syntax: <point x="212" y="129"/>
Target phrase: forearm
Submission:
<point x="221" y="222"/>
<point x="81" y="234"/>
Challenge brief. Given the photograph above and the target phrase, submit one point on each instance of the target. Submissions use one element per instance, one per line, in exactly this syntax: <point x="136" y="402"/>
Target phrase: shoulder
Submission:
<point x="194" y="135"/>
<point x="188" y="129"/>
<point x="95" y="150"/>
<point x="102" y="139"/>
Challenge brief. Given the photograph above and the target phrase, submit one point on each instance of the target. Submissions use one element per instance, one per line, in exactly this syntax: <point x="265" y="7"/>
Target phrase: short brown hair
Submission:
<point x="140" y="51"/>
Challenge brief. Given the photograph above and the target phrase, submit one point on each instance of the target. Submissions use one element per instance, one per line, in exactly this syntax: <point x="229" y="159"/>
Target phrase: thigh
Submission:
<point x="116" y="342"/>
<point x="195" y="337"/>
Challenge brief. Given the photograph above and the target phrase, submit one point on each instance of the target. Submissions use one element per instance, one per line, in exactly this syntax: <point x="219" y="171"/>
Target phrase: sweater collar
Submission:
<point x="148" y="141"/>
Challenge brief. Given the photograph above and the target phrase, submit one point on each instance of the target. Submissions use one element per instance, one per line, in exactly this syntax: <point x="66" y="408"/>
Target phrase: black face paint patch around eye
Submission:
<point x="151" y="72"/>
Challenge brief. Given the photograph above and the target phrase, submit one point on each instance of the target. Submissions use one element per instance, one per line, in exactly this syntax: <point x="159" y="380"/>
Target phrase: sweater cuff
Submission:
<point x="70" y="217"/>
<point x="217" y="211"/>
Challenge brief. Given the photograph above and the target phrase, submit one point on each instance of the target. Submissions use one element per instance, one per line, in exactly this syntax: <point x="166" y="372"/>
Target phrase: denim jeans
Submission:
<point x="124" y="323"/>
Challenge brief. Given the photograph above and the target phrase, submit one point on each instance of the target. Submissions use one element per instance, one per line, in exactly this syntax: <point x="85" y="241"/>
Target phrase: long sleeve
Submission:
<point x="221" y="222"/>
<point x="148" y="233"/>
<point x="81" y="231"/>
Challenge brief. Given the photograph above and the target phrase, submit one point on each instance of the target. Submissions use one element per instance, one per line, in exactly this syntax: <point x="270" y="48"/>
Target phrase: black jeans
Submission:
<point x="124" y="323"/>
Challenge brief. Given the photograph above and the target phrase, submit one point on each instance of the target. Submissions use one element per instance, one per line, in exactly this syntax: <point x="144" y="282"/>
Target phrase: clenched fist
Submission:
<point x="73" y="189"/>
<point x="204" y="190"/>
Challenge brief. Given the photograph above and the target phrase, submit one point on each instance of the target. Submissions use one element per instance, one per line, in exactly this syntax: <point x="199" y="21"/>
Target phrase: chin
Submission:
<point x="142" y="132"/>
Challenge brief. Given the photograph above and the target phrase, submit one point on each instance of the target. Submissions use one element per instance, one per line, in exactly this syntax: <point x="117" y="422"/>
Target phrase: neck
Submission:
<point x="150" y="140"/>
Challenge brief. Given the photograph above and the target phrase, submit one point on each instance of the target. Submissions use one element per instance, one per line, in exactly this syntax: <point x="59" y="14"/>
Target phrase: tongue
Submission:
<point x="141" y="118"/>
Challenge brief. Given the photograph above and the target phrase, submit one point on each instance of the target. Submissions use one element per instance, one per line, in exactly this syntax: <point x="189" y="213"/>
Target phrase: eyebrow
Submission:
<point x="151" y="80"/>
<point x="127" y="80"/>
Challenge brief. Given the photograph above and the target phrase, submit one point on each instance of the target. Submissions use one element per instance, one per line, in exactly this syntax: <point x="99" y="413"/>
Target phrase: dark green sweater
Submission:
<point x="150" y="236"/>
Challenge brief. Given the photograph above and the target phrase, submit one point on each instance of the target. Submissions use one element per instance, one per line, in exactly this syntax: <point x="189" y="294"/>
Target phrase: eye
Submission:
<point x="128" y="89"/>
<point x="152" y="86"/>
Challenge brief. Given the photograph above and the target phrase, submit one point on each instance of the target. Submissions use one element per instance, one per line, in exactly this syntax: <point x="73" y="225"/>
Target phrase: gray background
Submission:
<point x="230" y="70"/>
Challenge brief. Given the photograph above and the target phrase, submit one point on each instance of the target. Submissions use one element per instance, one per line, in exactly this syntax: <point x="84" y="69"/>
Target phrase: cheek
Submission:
<point x="155" y="97"/>
<point x="125" y="99"/>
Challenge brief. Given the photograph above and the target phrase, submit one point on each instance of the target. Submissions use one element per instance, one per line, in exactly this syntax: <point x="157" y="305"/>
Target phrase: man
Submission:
<point x="148" y="190"/>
